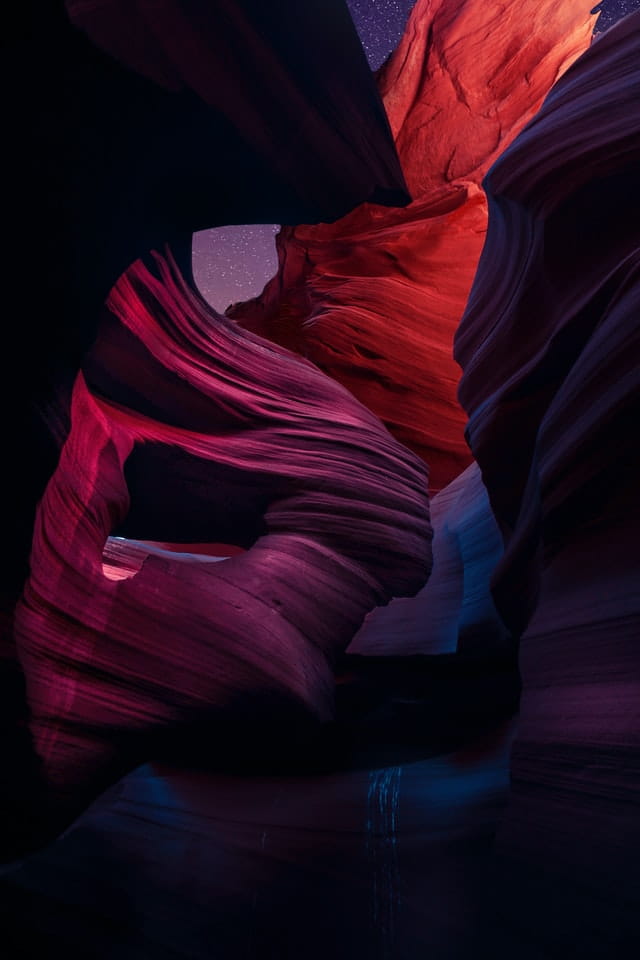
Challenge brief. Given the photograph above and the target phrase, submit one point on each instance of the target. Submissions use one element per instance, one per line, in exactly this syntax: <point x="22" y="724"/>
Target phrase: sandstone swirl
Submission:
<point x="141" y="640"/>
<point x="375" y="298"/>
<point x="454" y="611"/>
<point x="130" y="127"/>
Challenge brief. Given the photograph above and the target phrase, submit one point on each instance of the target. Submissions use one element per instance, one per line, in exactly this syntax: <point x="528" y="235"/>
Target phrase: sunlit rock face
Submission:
<point x="549" y="345"/>
<point x="375" y="298"/>
<point x="119" y="643"/>
<point x="455" y="610"/>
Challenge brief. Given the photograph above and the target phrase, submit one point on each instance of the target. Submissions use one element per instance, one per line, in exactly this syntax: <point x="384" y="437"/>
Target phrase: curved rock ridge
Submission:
<point x="549" y="345"/>
<point x="455" y="610"/>
<point x="106" y="164"/>
<point x="563" y="229"/>
<point x="113" y="164"/>
<point x="375" y="298"/>
<point x="133" y="639"/>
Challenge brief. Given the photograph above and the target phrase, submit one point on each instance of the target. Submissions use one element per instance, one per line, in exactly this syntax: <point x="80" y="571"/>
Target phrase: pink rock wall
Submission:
<point x="131" y="128"/>
<point x="141" y="639"/>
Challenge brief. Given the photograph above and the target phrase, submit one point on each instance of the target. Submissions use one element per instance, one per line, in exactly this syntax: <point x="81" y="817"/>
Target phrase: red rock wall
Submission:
<point x="375" y="298"/>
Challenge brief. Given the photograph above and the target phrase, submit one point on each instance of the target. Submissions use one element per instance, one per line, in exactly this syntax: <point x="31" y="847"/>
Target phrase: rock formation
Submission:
<point x="454" y="611"/>
<point x="262" y="450"/>
<point x="107" y="163"/>
<point x="184" y="427"/>
<point x="375" y="298"/>
<point x="117" y="150"/>
<point x="549" y="345"/>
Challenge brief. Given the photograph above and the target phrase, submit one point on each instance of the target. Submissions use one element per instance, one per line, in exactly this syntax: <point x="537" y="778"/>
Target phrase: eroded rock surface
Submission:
<point x="549" y="345"/>
<point x="338" y="523"/>
<point x="375" y="298"/>
<point x="454" y="611"/>
<point x="130" y="128"/>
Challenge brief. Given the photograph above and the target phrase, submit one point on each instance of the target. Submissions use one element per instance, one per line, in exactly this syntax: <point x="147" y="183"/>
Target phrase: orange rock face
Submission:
<point x="375" y="298"/>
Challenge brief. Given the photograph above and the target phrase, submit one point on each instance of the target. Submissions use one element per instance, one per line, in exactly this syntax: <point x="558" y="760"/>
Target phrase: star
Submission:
<point x="233" y="264"/>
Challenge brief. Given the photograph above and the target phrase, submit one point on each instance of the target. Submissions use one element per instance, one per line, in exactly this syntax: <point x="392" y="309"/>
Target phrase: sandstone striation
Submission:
<point x="144" y="640"/>
<point x="549" y="345"/>
<point x="375" y="298"/>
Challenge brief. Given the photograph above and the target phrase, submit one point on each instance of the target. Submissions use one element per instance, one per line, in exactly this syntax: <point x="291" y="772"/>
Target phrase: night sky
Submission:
<point x="232" y="264"/>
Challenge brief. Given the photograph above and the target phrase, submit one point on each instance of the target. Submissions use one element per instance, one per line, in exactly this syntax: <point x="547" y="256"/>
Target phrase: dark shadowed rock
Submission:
<point x="455" y="609"/>
<point x="549" y="345"/>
